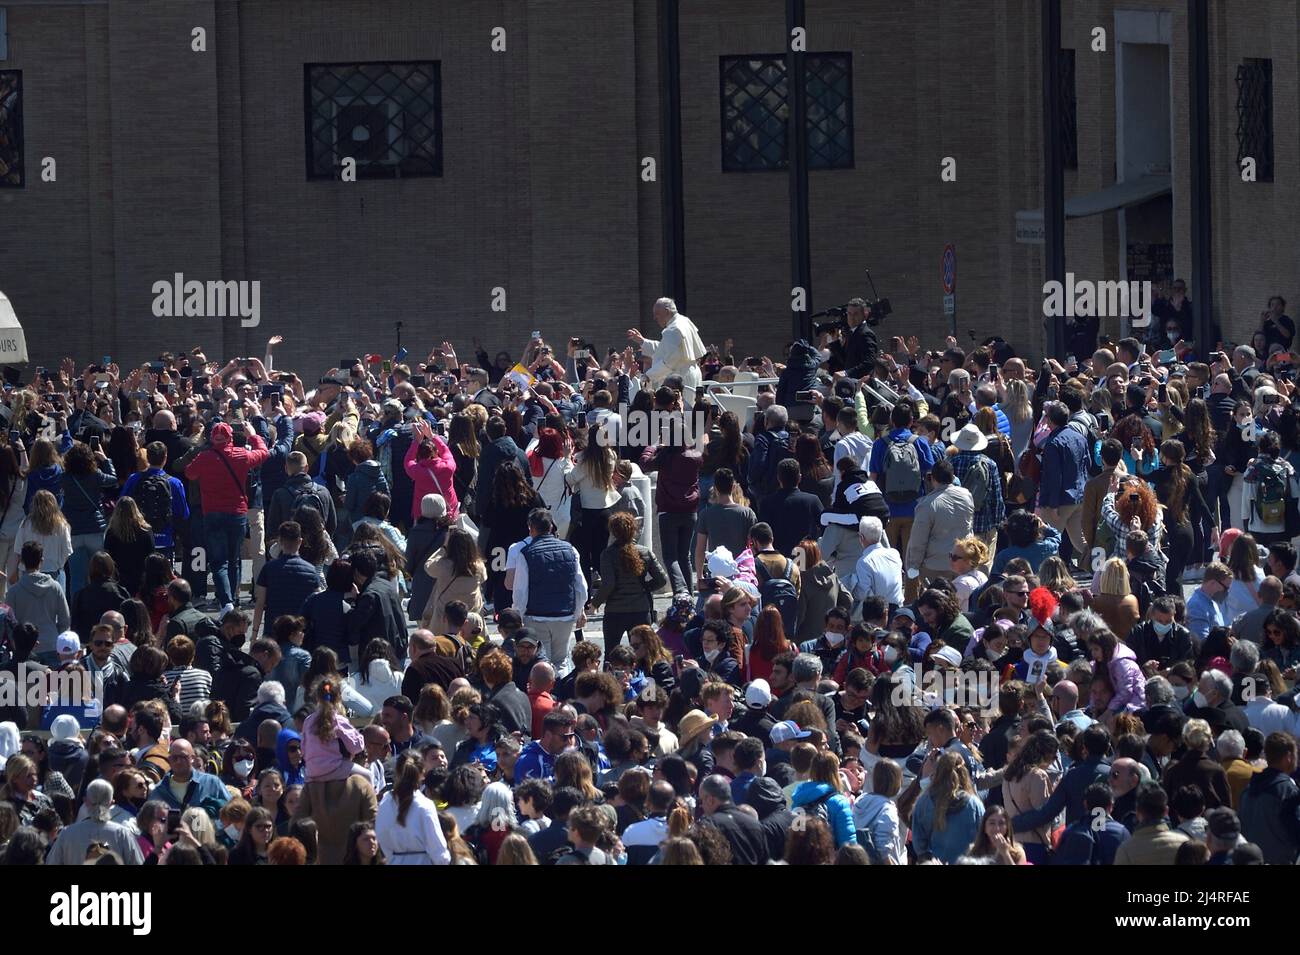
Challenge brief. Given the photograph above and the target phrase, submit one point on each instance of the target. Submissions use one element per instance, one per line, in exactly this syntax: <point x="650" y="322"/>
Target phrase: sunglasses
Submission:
<point x="956" y="556"/>
<point x="101" y="643"/>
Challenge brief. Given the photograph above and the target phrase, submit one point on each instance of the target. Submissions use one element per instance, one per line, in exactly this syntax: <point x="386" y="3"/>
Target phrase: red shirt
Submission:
<point x="542" y="703"/>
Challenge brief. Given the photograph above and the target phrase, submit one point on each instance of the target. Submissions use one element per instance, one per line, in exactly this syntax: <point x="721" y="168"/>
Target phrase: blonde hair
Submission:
<point x="515" y="851"/>
<point x="1114" y="578"/>
<point x="200" y="824"/>
<point x="950" y="779"/>
<point x="826" y="769"/>
<point x="1055" y="576"/>
<point x="1197" y="736"/>
<point x="972" y="548"/>
<point x="127" y="523"/>
<point x="45" y="517"/>
<point x="1017" y="405"/>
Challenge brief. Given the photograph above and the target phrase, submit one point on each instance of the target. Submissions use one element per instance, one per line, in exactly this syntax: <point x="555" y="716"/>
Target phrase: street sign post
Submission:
<point x="948" y="273"/>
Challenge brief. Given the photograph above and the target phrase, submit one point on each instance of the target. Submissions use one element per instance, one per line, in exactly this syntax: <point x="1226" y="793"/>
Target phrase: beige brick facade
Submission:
<point x="174" y="161"/>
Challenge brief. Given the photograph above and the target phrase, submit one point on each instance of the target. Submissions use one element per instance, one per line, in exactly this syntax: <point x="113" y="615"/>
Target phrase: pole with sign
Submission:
<point x="949" y="274"/>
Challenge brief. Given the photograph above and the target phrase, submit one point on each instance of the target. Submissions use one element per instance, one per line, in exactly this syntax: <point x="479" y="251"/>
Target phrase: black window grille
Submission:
<point x="1069" y="112"/>
<point x="386" y="116"/>
<point x="830" y="111"/>
<point x="1255" y="116"/>
<point x="755" y="111"/>
<point x="11" y="129"/>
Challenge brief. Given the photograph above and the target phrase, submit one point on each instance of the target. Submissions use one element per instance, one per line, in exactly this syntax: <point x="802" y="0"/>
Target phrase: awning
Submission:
<point x="1130" y="192"/>
<point x="13" y="345"/>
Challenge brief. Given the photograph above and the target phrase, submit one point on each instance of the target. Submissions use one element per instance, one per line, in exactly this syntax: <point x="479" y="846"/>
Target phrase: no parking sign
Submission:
<point x="948" y="273"/>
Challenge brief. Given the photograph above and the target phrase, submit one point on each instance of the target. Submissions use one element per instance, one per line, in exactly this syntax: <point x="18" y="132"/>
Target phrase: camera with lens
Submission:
<point x="877" y="311"/>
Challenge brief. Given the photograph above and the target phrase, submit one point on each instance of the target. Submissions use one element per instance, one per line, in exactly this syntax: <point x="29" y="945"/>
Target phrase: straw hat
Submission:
<point x="692" y="725"/>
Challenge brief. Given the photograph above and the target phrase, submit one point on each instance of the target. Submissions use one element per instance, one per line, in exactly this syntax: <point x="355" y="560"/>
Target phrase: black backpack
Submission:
<point x="779" y="592"/>
<point x="153" y="495"/>
<point x="817" y="808"/>
<point x="307" y="497"/>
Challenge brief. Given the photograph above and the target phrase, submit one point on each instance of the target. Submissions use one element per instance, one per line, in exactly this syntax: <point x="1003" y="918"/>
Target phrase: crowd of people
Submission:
<point x="882" y="606"/>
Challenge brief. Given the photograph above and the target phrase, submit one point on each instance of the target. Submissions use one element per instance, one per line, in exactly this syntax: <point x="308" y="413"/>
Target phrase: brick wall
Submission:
<point x="170" y="160"/>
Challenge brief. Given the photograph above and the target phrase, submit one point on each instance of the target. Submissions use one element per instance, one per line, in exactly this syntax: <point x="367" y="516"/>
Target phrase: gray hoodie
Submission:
<point x="38" y="599"/>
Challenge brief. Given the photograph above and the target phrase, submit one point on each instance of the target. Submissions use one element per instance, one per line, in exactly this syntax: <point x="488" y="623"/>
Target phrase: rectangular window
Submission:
<point x="1069" y="112"/>
<point x="385" y="116"/>
<point x="755" y="110"/>
<point x="1255" y="116"/>
<point x="11" y="129"/>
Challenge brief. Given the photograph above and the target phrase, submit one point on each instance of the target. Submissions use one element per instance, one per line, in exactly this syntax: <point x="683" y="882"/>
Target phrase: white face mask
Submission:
<point x="834" y="639"/>
<point x="711" y="655"/>
<point x="243" y="767"/>
<point x="1181" y="692"/>
<point x="891" y="655"/>
<point x="1172" y="336"/>
<point x="1199" y="700"/>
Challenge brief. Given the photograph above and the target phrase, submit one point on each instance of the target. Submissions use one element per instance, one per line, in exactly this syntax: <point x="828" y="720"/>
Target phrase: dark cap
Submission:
<point x="1164" y="720"/>
<point x="526" y="635"/>
<point x="1223" y="823"/>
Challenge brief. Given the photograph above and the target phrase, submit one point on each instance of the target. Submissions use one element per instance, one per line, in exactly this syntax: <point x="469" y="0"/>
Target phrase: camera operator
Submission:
<point x="861" y="347"/>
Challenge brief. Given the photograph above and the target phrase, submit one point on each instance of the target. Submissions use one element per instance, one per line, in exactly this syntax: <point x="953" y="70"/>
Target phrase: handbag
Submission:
<point x="1030" y="465"/>
<point x="562" y="513"/>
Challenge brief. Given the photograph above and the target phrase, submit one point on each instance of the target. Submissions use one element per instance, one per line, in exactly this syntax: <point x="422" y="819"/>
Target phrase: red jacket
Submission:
<point x="224" y="492"/>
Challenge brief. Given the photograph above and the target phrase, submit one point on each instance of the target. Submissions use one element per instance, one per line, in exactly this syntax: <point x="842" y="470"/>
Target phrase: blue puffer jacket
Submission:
<point x="839" y="812"/>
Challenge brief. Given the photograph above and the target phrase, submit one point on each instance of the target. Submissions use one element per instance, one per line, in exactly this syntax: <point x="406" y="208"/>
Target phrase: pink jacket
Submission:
<point x="435" y="475"/>
<point x="1126" y="676"/>
<point x="326" y="762"/>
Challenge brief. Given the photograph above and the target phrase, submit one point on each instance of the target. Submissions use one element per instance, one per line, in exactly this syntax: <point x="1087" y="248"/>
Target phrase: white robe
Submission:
<point x="420" y="841"/>
<point x="677" y="353"/>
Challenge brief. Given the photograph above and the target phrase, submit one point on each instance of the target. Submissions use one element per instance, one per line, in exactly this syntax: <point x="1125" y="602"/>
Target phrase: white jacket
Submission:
<point x="551" y="483"/>
<point x="383" y="683"/>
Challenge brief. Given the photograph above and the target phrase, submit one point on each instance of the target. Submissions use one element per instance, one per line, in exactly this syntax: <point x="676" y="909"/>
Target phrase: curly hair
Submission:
<point x="1146" y="508"/>
<point x="1130" y="427"/>
<point x="623" y="528"/>
<point x="495" y="668"/>
<point x="943" y="604"/>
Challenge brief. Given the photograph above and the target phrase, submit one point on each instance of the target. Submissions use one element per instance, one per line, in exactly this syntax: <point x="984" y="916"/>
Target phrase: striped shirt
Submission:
<point x="196" y="684"/>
